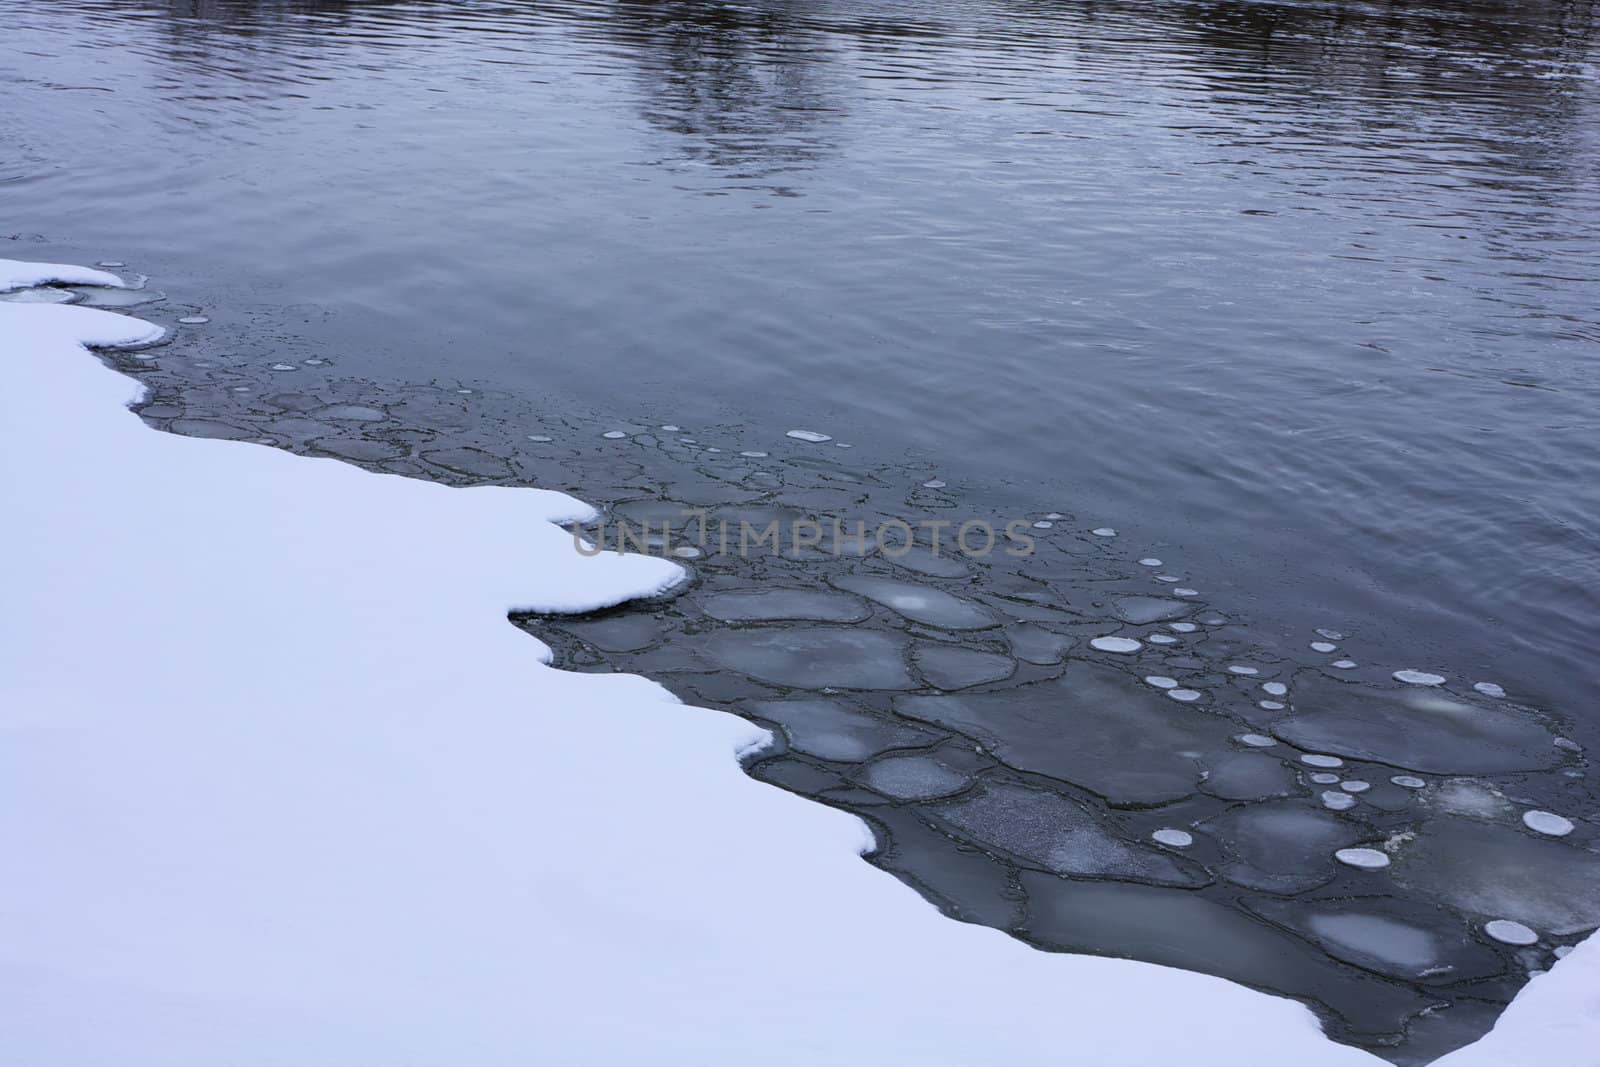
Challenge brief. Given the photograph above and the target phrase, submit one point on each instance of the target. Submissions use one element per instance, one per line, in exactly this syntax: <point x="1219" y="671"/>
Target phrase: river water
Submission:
<point x="1306" y="296"/>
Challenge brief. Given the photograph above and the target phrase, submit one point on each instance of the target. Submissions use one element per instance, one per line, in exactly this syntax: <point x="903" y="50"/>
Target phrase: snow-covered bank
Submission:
<point x="283" y="786"/>
<point x="15" y="274"/>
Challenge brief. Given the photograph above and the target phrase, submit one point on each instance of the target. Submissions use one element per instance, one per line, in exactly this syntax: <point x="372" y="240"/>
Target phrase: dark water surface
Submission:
<point x="1302" y="299"/>
<point x="1310" y="292"/>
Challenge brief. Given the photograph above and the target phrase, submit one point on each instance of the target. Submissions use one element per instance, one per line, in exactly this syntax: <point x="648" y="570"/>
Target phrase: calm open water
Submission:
<point x="1307" y="294"/>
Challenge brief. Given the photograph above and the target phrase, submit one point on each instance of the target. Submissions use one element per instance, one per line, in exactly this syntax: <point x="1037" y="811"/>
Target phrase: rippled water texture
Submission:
<point x="1308" y="290"/>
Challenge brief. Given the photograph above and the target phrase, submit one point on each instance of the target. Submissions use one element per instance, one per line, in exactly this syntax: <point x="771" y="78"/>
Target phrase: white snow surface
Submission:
<point x="15" y="274"/>
<point x="281" y="785"/>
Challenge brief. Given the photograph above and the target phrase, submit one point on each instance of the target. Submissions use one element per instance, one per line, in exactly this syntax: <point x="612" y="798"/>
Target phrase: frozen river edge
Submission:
<point x="346" y="811"/>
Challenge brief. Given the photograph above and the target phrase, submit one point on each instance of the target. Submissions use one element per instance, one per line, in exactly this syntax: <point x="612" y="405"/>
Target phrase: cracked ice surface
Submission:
<point x="400" y="928"/>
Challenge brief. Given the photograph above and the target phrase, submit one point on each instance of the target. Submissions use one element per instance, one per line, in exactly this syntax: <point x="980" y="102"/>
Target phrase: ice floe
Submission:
<point x="1408" y="781"/>
<point x="1489" y="689"/>
<point x="1049" y="830"/>
<point x="1412" y="941"/>
<point x="1280" y="846"/>
<point x="1313" y="759"/>
<point x="1162" y="682"/>
<point x="1411" y="677"/>
<point x="1115" y="644"/>
<point x="1248" y="776"/>
<point x="920" y="603"/>
<point x="1276" y="689"/>
<point x="774" y="604"/>
<point x="1110" y="715"/>
<point x="812" y="658"/>
<point x="1417" y="729"/>
<point x="1103" y="531"/>
<point x="1141" y="610"/>
<point x="1323" y="646"/>
<point x="1338" y="801"/>
<point x="1496" y="869"/>
<point x="1187" y="696"/>
<point x="810" y="436"/>
<point x="194" y="320"/>
<point x="1547" y="822"/>
<point x="38" y="296"/>
<point x="829" y="729"/>
<point x="951" y="668"/>
<point x="913" y="778"/>
<point x="1172" y="838"/>
<point x="1367" y="859"/>
<point x="1256" y="740"/>
<point x="1510" y="932"/>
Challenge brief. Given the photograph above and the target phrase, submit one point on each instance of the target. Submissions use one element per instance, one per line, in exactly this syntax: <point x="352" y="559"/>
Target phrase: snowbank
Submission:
<point x="14" y="274"/>
<point x="280" y="785"/>
<point x="1555" y="1020"/>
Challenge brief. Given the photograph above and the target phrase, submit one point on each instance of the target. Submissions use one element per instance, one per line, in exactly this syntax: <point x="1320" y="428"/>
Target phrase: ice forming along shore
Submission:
<point x="281" y="784"/>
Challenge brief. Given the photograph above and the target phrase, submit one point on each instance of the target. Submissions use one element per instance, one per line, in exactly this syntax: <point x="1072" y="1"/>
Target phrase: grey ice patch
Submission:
<point x="920" y="603"/>
<point x="814" y="658"/>
<point x="773" y="605"/>
<point x="350" y="413"/>
<point x="1418" y="729"/>
<point x="830" y="730"/>
<point x="1141" y="610"/>
<point x="1057" y="834"/>
<point x="1280" y="846"/>
<point x="1105" y="714"/>
<point x="913" y="778"/>
<point x="1493" y="869"/>
<point x="951" y="668"/>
